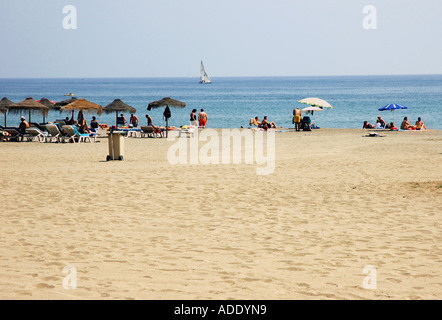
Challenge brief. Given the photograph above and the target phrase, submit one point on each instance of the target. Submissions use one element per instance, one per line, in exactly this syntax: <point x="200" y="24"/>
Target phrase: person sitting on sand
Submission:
<point x="420" y="125"/>
<point x="392" y="127"/>
<point x="378" y="125"/>
<point x="255" y="122"/>
<point x="406" y="125"/>
<point x="381" y="121"/>
<point x="265" y="122"/>
<point x="367" y="125"/>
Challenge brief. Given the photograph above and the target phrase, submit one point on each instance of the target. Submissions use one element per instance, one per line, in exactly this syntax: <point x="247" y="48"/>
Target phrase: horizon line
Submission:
<point x="220" y="77"/>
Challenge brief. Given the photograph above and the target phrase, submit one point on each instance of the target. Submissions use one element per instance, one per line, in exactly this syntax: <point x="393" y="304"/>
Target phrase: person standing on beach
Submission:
<point x="193" y="121"/>
<point x="202" y="118"/>
<point x="297" y="119"/>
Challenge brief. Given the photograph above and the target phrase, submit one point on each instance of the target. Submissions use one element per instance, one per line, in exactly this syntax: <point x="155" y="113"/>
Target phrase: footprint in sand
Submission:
<point x="45" y="286"/>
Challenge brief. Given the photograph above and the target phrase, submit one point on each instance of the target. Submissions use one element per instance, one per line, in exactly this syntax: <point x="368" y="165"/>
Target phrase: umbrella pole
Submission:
<point x="5" y="120"/>
<point x="167" y="128"/>
<point x="116" y="118"/>
<point x="29" y="116"/>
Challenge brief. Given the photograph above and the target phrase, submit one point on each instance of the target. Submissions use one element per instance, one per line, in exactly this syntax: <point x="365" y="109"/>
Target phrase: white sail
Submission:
<point x="204" y="76"/>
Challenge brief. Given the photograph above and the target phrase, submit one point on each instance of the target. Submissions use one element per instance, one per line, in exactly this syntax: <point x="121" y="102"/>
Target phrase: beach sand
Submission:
<point x="145" y="229"/>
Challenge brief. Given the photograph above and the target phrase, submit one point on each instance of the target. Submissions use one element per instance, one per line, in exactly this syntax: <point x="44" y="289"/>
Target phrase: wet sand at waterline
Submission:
<point x="336" y="202"/>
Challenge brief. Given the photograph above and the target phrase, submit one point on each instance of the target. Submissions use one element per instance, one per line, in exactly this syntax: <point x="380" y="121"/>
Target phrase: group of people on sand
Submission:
<point x="380" y="124"/>
<point x="264" y="124"/>
<point x="202" y="119"/>
<point x="80" y="123"/>
<point x="419" y="125"/>
<point x="134" y="121"/>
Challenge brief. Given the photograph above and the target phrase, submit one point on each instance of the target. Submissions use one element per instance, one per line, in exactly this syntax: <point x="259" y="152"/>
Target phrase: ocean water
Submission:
<point x="231" y="102"/>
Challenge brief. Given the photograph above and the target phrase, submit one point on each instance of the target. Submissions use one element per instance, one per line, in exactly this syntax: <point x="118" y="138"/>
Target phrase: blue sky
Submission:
<point x="168" y="38"/>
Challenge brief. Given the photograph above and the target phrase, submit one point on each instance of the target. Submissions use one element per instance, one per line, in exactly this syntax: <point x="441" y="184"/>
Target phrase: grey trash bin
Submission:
<point x="116" y="146"/>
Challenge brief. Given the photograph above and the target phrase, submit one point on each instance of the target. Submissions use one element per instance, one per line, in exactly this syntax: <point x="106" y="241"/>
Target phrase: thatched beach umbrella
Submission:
<point x="118" y="106"/>
<point x="63" y="103"/>
<point x="166" y="102"/>
<point x="84" y="106"/>
<point x="4" y="105"/>
<point x="30" y="105"/>
<point x="48" y="103"/>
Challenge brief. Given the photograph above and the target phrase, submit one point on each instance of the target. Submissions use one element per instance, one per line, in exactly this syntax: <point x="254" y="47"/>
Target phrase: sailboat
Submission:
<point x="204" y="76"/>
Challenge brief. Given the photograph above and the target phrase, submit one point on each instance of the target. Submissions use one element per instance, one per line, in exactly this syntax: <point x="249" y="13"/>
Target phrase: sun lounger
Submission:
<point x="42" y="127"/>
<point x="35" y="133"/>
<point x="54" y="133"/>
<point x="150" y="132"/>
<point x="190" y="131"/>
<point x="74" y="135"/>
<point x="15" y="134"/>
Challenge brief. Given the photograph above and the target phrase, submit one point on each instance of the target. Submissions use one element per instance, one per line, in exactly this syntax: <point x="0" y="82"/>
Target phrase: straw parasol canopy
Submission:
<point x="169" y="102"/>
<point x="48" y="103"/>
<point x="4" y="105"/>
<point x="166" y="102"/>
<point x="30" y="105"/>
<point x="84" y="106"/>
<point x="118" y="106"/>
<point x="65" y="102"/>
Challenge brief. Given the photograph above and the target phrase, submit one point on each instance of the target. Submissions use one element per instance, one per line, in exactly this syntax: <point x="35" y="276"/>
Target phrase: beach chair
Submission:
<point x="305" y="123"/>
<point x="189" y="131"/>
<point x="150" y="132"/>
<point x="74" y="135"/>
<point x="54" y="133"/>
<point x="15" y="134"/>
<point x="36" y="133"/>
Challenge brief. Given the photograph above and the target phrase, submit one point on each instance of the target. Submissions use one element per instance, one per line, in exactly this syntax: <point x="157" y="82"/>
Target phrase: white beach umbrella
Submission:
<point x="316" y="102"/>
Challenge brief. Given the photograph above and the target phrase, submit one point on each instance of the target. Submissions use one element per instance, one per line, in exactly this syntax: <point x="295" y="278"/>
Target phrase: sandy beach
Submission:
<point x="338" y="201"/>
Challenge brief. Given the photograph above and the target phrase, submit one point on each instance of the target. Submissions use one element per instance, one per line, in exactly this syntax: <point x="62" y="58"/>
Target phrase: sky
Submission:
<point x="169" y="38"/>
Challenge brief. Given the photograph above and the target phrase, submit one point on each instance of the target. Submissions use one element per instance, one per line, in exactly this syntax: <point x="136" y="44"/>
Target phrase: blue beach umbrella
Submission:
<point x="392" y="107"/>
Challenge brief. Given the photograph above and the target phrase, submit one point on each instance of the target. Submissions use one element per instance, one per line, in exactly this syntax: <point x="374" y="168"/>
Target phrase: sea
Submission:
<point x="230" y="102"/>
